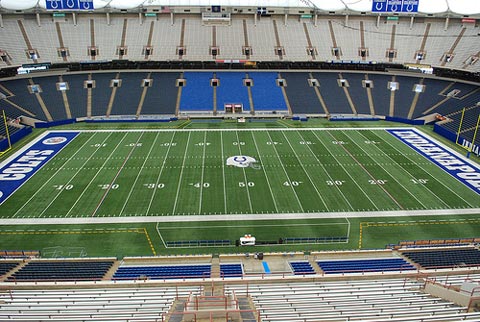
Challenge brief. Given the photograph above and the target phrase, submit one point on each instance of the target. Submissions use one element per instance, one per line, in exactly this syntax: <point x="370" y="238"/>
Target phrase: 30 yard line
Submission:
<point x="181" y="175"/>
<point x="345" y="170"/>
<point x="138" y="174"/>
<point x="326" y="172"/>
<point x="159" y="175"/>
<point x="96" y="174"/>
<point x="305" y="171"/>
<point x="285" y="171"/>
<point x="53" y="176"/>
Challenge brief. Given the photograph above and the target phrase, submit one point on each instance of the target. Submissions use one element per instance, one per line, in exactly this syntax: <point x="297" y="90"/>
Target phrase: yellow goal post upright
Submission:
<point x="3" y="123"/>
<point x="469" y="146"/>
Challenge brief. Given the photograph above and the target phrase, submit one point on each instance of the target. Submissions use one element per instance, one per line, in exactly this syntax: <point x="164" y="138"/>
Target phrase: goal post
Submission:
<point x="5" y="142"/>
<point x="467" y="134"/>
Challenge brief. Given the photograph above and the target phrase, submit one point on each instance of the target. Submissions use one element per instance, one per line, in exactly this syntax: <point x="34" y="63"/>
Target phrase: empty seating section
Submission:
<point x="197" y="94"/>
<point x="104" y="304"/>
<point x="432" y="96"/>
<point x="128" y="95"/>
<point x="332" y="93"/>
<point x="52" y="97"/>
<point x="162" y="96"/>
<point x="62" y="270"/>
<point x="77" y="94"/>
<point x="354" y="300"/>
<point x="231" y="270"/>
<point x="5" y="267"/>
<point x="24" y="99"/>
<point x="301" y="96"/>
<point x="231" y="90"/>
<point x="358" y="93"/>
<point x="266" y="94"/>
<point x="404" y="95"/>
<point x="101" y="93"/>
<point x="365" y="265"/>
<point x="302" y="268"/>
<point x="163" y="272"/>
<point x="381" y="93"/>
<point x="444" y="258"/>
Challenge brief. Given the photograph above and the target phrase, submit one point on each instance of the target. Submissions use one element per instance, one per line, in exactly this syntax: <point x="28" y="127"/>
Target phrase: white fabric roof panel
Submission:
<point x="463" y="7"/>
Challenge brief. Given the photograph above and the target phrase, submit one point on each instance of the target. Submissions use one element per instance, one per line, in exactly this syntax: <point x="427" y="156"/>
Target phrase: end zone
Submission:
<point x="24" y="164"/>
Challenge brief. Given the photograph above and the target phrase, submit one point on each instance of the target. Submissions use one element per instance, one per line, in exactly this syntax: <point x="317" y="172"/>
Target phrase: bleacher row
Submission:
<point x="124" y="36"/>
<point x="321" y="93"/>
<point x="97" y="269"/>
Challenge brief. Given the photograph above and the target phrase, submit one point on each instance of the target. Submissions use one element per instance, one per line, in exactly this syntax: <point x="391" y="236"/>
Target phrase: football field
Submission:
<point x="281" y="172"/>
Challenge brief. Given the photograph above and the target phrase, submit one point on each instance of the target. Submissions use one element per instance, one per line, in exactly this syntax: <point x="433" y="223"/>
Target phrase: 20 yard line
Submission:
<point x="181" y="175"/>
<point x="52" y="176"/>
<point x="138" y="175"/>
<point x="95" y="176"/>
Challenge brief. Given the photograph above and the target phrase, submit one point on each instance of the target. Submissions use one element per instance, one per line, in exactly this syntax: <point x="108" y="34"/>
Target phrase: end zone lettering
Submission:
<point x="18" y="170"/>
<point x="464" y="171"/>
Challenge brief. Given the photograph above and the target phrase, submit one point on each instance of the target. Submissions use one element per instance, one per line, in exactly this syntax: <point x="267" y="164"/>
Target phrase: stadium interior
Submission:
<point x="147" y="62"/>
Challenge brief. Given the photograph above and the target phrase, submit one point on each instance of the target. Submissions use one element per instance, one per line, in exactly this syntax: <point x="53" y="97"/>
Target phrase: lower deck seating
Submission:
<point x="301" y="268"/>
<point x="365" y="265"/>
<point x="163" y="272"/>
<point x="5" y="267"/>
<point x="62" y="270"/>
<point x="445" y="258"/>
<point x="231" y="270"/>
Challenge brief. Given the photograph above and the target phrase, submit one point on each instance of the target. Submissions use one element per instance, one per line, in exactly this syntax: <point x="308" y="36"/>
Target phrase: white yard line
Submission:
<point x="427" y="190"/>
<point x="50" y="178"/>
<point x="159" y="175"/>
<point x="138" y="174"/>
<point x="345" y="170"/>
<point x="112" y="182"/>
<point x="305" y="171"/>
<point x="327" y="173"/>
<point x="383" y="168"/>
<point x="245" y="176"/>
<point x="265" y="173"/>
<point x="179" y="184"/>
<point x="223" y="174"/>
<point x="95" y="176"/>
<point x="203" y="172"/>
<point x="286" y="174"/>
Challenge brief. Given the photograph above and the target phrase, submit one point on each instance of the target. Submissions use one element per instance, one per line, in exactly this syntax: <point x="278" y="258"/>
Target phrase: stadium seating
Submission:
<point x="302" y="268"/>
<point x="365" y="265"/>
<point x="444" y="258"/>
<point x="62" y="270"/>
<point x="162" y="96"/>
<point x="266" y="94"/>
<point x="232" y="90"/>
<point x="360" y="300"/>
<point x="231" y="270"/>
<point x="86" y="304"/>
<point x="163" y="272"/>
<point x="301" y="96"/>
<point x="5" y="267"/>
<point x="197" y="94"/>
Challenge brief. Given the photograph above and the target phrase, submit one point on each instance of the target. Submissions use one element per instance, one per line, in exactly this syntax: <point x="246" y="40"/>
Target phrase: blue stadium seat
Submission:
<point x="365" y="265"/>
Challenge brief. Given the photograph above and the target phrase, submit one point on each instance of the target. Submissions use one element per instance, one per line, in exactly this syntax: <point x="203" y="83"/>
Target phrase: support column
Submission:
<point x="37" y="15"/>
<point x="447" y="21"/>
<point x="412" y="19"/>
<point x="74" y="18"/>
